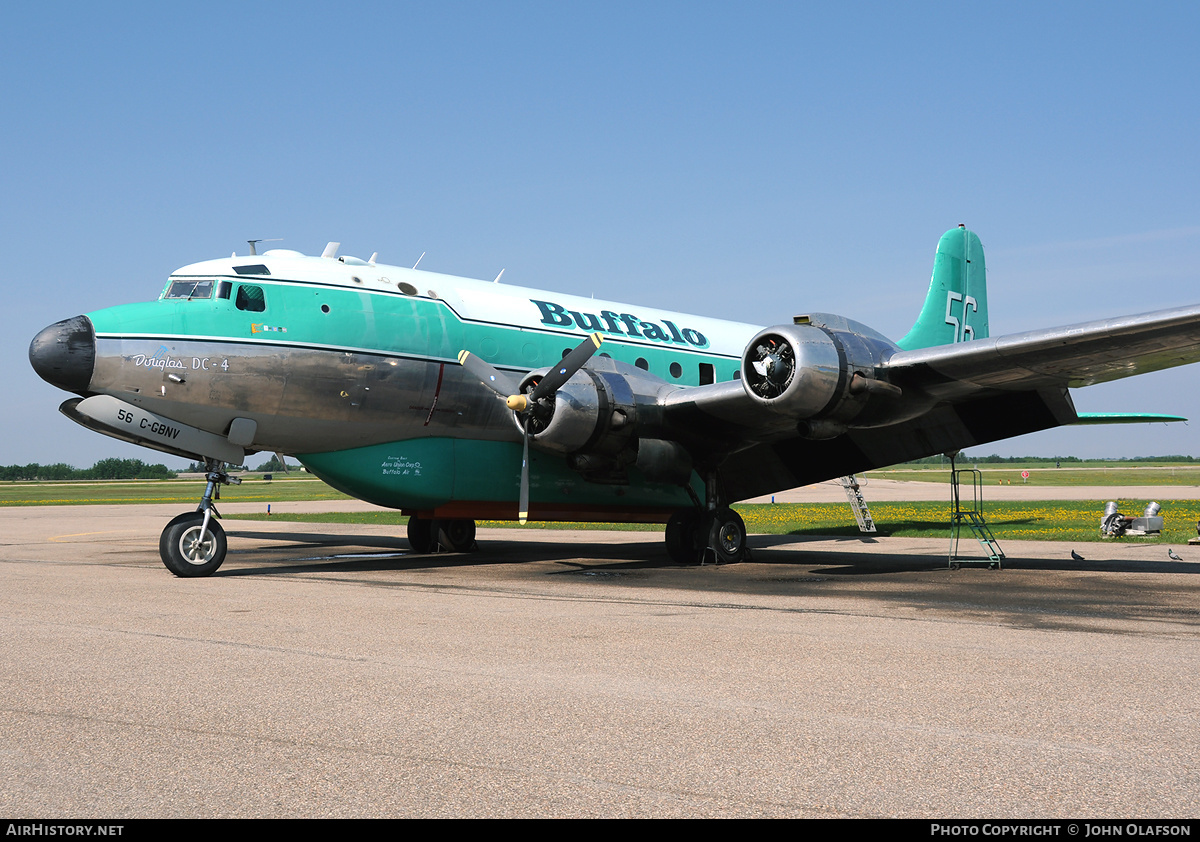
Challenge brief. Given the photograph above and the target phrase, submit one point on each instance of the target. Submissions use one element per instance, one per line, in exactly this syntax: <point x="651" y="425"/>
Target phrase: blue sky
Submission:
<point x="752" y="161"/>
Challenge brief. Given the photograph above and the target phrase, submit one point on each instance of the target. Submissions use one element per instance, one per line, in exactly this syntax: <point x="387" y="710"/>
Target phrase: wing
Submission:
<point x="1072" y="356"/>
<point x="932" y="400"/>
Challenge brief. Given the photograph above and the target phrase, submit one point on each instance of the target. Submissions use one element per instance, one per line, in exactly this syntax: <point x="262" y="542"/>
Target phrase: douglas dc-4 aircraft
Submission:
<point x="454" y="399"/>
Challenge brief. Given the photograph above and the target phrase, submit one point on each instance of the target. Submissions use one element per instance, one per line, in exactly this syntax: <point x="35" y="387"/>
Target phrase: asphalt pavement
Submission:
<point x="327" y="671"/>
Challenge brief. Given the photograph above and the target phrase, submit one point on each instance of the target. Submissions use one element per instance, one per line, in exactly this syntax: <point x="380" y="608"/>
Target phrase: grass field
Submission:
<point x="1099" y="473"/>
<point x="306" y="487"/>
<point x="1057" y="520"/>
<point x="185" y="491"/>
<point x="1050" y="520"/>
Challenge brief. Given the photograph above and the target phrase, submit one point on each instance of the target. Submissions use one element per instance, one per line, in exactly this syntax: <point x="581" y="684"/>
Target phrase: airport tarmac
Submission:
<point x="325" y="671"/>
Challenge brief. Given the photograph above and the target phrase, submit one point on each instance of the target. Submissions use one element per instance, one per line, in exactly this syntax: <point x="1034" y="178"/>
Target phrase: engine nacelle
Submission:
<point x="600" y="419"/>
<point x="585" y="417"/>
<point x="820" y="374"/>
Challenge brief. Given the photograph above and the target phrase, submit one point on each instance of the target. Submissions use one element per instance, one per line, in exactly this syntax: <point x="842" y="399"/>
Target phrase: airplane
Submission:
<point x="454" y="399"/>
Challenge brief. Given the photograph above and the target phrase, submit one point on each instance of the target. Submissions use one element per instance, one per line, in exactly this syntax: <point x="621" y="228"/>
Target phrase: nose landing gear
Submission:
<point x="194" y="544"/>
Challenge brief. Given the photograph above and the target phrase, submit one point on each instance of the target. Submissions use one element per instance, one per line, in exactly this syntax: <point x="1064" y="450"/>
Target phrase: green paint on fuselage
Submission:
<point x="386" y="324"/>
<point x="423" y="474"/>
<point x="419" y="473"/>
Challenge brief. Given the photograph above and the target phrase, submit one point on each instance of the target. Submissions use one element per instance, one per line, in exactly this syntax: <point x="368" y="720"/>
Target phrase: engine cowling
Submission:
<point x="582" y="416"/>
<point x="792" y="369"/>
<point x="821" y="376"/>
<point x="599" y="420"/>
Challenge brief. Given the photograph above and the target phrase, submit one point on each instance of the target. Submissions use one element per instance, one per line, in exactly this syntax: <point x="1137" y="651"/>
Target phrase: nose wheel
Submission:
<point x="194" y="544"/>
<point x="189" y="547"/>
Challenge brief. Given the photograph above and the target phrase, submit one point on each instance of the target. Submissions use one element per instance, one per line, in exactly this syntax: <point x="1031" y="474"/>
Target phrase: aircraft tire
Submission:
<point x="682" y="536"/>
<point x="727" y="536"/>
<point x="187" y="553"/>
<point x="420" y="535"/>
<point x="456" y="535"/>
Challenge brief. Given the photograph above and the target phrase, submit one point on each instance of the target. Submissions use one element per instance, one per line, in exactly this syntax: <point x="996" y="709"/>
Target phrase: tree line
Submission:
<point x="104" y="469"/>
<point x="271" y="465"/>
<point x="995" y="459"/>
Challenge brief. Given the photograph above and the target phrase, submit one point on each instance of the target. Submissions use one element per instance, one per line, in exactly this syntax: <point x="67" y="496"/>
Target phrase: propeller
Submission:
<point x="488" y="374"/>
<point x="528" y="406"/>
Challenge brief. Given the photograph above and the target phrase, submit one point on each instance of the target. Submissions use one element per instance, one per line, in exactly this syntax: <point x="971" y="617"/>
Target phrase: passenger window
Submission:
<point x="250" y="299"/>
<point x="707" y="373"/>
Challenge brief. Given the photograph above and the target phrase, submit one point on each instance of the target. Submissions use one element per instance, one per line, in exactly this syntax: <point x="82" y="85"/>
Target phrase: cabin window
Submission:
<point x="642" y="364"/>
<point x="708" y="374"/>
<point x="676" y="370"/>
<point x="189" y="289"/>
<point x="251" y="299"/>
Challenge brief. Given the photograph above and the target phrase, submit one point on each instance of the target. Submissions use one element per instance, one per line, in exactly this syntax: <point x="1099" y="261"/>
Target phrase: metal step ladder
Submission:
<point x="858" y="504"/>
<point x="970" y="514"/>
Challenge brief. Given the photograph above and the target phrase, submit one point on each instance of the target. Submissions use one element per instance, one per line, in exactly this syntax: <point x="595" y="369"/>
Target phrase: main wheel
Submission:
<point x="456" y="535"/>
<point x="682" y="534"/>
<point x="420" y="535"/>
<point x="727" y="535"/>
<point x="186" y="551"/>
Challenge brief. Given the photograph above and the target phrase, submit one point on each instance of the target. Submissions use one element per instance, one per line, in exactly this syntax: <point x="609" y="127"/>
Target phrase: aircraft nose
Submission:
<point x="65" y="353"/>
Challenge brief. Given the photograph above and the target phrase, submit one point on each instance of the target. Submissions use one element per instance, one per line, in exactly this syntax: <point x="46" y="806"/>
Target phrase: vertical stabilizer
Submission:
<point x="956" y="307"/>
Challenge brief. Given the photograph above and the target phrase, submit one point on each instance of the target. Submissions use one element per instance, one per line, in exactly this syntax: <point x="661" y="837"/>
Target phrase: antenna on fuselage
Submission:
<point x="253" y="243"/>
<point x="331" y="250"/>
<point x="498" y="276"/>
<point x="419" y="259"/>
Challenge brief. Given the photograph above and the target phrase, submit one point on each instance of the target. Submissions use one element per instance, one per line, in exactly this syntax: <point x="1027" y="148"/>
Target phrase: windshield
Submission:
<point x="189" y="289"/>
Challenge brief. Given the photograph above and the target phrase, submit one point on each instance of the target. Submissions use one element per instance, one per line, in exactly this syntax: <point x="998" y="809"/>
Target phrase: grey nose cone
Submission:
<point x="65" y="353"/>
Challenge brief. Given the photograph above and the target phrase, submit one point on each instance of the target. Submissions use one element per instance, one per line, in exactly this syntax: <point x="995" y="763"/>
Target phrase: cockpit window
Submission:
<point x="190" y="289"/>
<point x="251" y="299"/>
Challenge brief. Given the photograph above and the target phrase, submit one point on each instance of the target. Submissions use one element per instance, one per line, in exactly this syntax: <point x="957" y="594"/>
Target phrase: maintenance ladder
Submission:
<point x="858" y="504"/>
<point x="973" y="518"/>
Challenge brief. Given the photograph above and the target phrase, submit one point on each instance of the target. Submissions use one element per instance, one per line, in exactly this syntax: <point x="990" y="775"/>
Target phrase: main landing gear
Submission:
<point x="194" y="544"/>
<point x="448" y="535"/>
<point x="692" y="534"/>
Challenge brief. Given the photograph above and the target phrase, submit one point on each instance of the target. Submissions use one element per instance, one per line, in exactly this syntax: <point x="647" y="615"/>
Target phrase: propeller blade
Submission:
<point x="523" y="509"/>
<point x="487" y="374"/>
<point x="566" y="369"/>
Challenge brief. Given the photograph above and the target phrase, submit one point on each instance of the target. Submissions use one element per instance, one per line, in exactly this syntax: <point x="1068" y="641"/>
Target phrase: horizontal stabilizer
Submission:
<point x="1127" y="418"/>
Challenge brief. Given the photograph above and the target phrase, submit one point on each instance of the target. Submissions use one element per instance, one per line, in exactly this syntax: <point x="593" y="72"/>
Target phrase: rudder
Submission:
<point x="955" y="308"/>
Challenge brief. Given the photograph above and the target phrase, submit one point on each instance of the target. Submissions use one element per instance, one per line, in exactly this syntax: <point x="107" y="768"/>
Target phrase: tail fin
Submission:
<point x="956" y="307"/>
